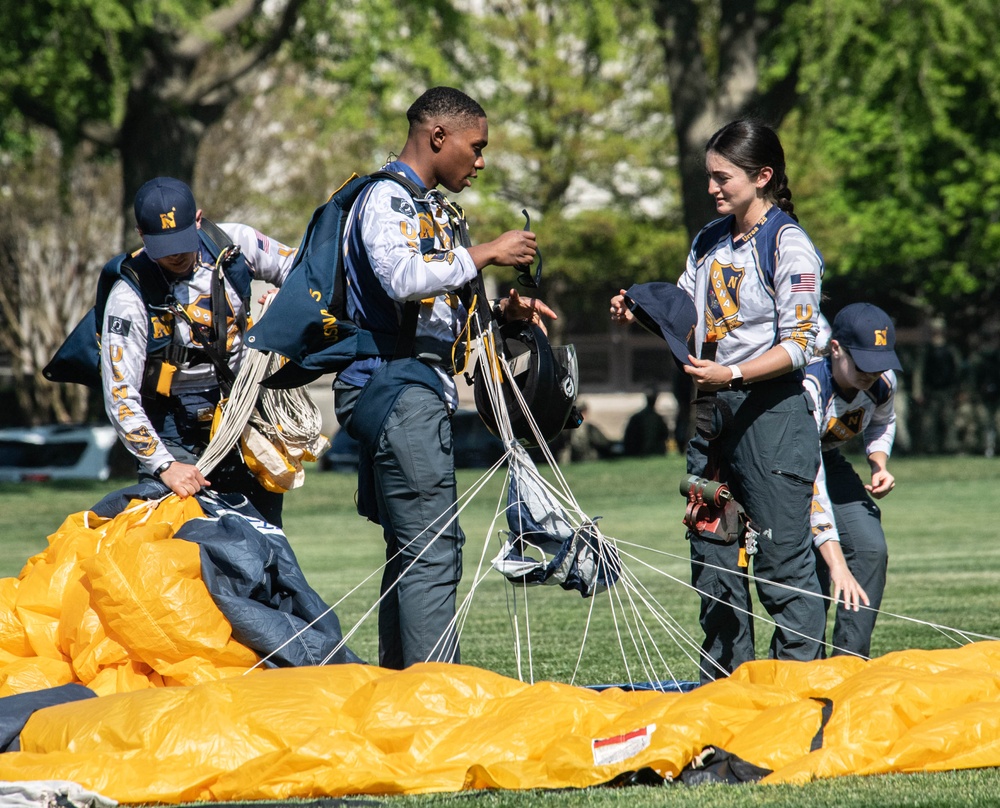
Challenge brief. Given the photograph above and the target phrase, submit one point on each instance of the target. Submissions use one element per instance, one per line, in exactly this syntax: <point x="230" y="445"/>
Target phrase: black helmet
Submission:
<point x="547" y="377"/>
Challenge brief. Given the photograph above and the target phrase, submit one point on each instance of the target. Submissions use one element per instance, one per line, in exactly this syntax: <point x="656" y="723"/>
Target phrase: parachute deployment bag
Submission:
<point x="307" y="322"/>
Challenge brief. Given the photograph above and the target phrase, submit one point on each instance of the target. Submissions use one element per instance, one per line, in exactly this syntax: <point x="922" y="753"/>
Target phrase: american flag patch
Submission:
<point x="262" y="241"/>
<point x="804" y="283"/>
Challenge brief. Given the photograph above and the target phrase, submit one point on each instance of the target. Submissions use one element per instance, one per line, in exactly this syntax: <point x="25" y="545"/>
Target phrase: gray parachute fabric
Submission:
<point x="543" y="547"/>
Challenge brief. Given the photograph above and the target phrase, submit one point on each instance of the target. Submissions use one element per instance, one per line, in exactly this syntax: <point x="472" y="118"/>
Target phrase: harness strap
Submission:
<point x="411" y="309"/>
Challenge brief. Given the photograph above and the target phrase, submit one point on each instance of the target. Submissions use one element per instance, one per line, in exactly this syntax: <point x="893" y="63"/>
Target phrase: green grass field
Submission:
<point x="944" y="568"/>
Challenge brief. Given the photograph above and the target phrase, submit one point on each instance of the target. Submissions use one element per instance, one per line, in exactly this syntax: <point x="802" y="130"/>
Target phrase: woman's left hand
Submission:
<point x="707" y="375"/>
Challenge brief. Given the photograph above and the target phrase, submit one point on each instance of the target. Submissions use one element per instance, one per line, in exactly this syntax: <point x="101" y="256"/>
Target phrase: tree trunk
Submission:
<point x="702" y="101"/>
<point x="157" y="140"/>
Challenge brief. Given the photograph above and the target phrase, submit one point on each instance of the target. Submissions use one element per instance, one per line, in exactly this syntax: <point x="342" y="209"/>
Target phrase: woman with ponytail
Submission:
<point x="754" y="277"/>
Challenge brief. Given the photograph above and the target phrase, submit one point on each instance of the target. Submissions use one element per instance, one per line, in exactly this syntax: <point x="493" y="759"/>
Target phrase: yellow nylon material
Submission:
<point x="120" y="606"/>
<point x="117" y="605"/>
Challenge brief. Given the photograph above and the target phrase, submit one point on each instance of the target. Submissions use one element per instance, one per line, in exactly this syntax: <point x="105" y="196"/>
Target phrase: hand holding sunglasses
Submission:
<point x="525" y="276"/>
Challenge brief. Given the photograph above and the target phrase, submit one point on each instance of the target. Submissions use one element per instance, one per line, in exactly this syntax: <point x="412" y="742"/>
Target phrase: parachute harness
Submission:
<point x="291" y="420"/>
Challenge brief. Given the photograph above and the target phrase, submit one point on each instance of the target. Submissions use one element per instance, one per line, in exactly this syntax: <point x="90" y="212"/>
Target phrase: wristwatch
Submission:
<point x="736" y="382"/>
<point x="163" y="467"/>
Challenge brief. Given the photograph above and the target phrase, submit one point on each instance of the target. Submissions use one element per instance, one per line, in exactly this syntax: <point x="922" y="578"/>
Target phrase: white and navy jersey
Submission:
<point x="757" y="291"/>
<point x="870" y="413"/>
<point x="385" y="228"/>
<point x="126" y="326"/>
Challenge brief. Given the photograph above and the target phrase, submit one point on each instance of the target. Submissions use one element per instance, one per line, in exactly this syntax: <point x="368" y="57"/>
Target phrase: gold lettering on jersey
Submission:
<point x="330" y="327"/>
<point x="817" y="529"/>
<point x="847" y="425"/>
<point x="722" y="312"/>
<point x="316" y="295"/>
<point x="816" y="506"/>
<point x="804" y="327"/>
<point x="116" y="373"/>
<point x="882" y="336"/>
<point x="161" y="328"/>
<point x="199" y="313"/>
<point x="115" y="352"/>
<point x="118" y="393"/>
<point x="142" y="441"/>
<point x="447" y="257"/>
<point x="426" y="225"/>
<point x="407" y="229"/>
<point x="124" y="411"/>
<point x="168" y="220"/>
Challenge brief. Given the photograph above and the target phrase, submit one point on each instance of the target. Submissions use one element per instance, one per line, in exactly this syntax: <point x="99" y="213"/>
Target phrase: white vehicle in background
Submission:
<point x="62" y="452"/>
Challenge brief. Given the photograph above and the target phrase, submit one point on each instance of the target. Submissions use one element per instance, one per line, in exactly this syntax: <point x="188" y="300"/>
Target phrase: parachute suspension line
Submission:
<point x="147" y="505"/>
<point x="290" y="415"/>
<point x="463" y="502"/>
<point x="639" y="648"/>
<point x="346" y="595"/>
<point x="502" y="418"/>
<point x="237" y="410"/>
<point x="457" y="624"/>
<point x="748" y="613"/>
<point x="495" y="368"/>
<point x="671" y="627"/>
<point x="583" y="640"/>
<point x="951" y="632"/>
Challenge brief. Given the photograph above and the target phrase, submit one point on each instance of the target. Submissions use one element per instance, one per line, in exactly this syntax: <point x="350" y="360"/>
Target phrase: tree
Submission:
<point x="899" y="128"/>
<point x="140" y="83"/>
<point x="579" y="137"/>
<point x="49" y="259"/>
<point x="141" y="79"/>
<point x="724" y="60"/>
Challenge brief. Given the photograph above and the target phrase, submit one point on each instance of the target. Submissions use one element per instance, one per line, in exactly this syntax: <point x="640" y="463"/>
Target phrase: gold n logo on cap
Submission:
<point x="882" y="336"/>
<point x="167" y="220"/>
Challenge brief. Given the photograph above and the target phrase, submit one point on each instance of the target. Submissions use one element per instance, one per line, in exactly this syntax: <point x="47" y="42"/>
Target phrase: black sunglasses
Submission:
<point x="525" y="276"/>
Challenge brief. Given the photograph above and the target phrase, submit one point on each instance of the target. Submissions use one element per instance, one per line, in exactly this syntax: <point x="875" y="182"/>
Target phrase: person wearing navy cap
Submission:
<point x="172" y="338"/>
<point x="852" y="389"/>
<point x="754" y="278"/>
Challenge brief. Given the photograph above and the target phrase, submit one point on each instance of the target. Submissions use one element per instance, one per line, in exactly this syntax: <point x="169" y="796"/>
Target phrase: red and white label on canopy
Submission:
<point x="621" y="747"/>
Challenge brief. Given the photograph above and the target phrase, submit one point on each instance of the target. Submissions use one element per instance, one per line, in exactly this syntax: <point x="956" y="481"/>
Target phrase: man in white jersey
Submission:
<point x="168" y="348"/>
<point x="852" y="390"/>
<point x="409" y="266"/>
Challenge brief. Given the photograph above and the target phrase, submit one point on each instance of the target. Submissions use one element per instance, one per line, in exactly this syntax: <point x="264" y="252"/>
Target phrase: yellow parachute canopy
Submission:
<point x="118" y="605"/>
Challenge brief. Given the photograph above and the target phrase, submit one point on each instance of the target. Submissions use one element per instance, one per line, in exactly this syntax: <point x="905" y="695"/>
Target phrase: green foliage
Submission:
<point x="900" y="117"/>
<point x="69" y="62"/>
<point x="590" y="256"/>
<point x="578" y="136"/>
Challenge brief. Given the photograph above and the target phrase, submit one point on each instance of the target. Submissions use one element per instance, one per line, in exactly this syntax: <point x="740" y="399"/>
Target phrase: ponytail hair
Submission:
<point x="752" y="146"/>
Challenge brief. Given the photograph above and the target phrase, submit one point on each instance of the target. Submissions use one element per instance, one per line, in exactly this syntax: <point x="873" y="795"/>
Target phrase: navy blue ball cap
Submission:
<point x="166" y="214"/>
<point x="667" y="311"/>
<point x="869" y="336"/>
